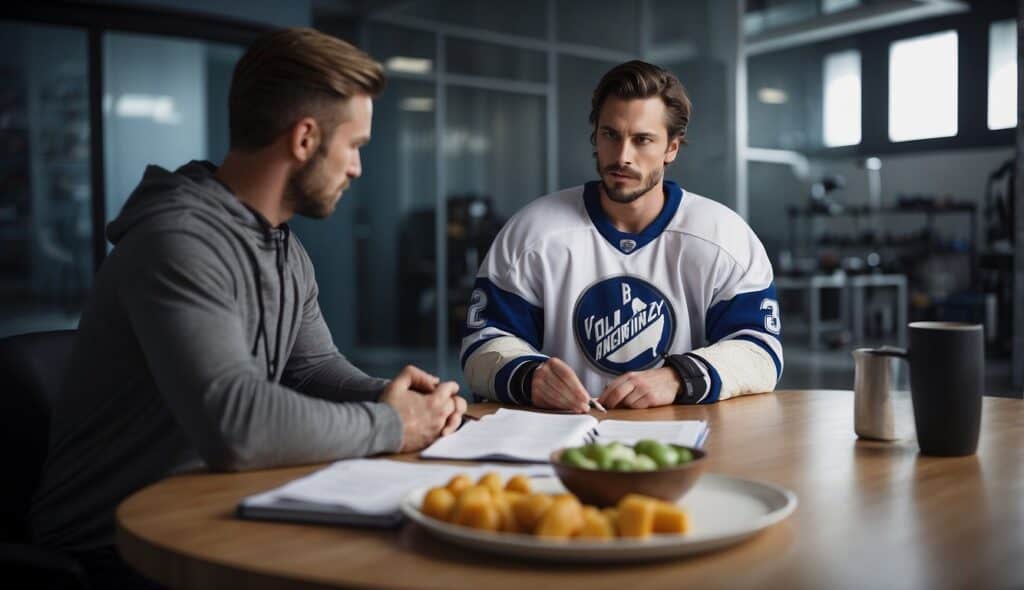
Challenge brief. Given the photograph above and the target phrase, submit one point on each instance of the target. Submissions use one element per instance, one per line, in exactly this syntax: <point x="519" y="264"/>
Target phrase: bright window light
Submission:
<point x="830" y="6"/>
<point x="409" y="65"/>
<point x="772" y="96"/>
<point x="923" y="87"/>
<point x="1002" y="75"/>
<point x="842" y="98"/>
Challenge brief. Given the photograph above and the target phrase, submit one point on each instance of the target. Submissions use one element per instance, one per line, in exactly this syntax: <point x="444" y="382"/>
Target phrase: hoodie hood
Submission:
<point x="163" y="198"/>
<point x="191" y="187"/>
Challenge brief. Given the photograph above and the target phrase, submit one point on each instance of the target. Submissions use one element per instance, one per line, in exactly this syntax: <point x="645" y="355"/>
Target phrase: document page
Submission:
<point x="688" y="433"/>
<point x="372" y="486"/>
<point x="514" y="435"/>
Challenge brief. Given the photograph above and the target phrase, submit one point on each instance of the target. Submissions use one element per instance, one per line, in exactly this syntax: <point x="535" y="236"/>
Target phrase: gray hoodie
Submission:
<point x="202" y="345"/>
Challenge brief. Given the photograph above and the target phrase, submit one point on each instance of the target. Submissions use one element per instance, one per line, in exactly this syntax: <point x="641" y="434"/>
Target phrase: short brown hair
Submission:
<point x="294" y="73"/>
<point x="639" y="79"/>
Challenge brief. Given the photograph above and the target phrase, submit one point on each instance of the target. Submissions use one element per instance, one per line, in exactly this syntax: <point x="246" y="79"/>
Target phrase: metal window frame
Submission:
<point x="96" y="20"/>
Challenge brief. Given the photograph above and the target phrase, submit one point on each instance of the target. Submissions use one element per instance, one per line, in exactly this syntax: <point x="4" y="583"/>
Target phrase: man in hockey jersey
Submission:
<point x="628" y="289"/>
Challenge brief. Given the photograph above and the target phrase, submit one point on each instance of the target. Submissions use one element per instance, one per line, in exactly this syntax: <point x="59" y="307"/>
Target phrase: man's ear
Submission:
<point x="672" y="151"/>
<point x="304" y="139"/>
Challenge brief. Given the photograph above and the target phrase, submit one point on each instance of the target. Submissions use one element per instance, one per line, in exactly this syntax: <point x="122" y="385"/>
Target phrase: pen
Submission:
<point x="597" y="405"/>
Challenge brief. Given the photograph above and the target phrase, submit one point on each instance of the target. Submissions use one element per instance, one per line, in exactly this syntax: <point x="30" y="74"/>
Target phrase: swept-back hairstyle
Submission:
<point x="639" y="79"/>
<point x="294" y="73"/>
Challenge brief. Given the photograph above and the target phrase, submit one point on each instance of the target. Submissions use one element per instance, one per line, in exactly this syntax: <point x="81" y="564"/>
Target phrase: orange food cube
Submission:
<point x="636" y="516"/>
<point x="438" y="503"/>
<point x="518" y="483"/>
<point x="562" y="520"/>
<point x="528" y="510"/>
<point x="595" y="525"/>
<point x="459" y="483"/>
<point x="491" y="480"/>
<point x="669" y="518"/>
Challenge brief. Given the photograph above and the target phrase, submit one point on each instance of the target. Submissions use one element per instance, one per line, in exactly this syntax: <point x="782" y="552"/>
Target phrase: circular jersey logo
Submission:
<point x="623" y="324"/>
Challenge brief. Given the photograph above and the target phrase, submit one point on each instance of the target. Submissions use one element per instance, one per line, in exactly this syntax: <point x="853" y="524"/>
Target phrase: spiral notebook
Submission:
<point x="531" y="437"/>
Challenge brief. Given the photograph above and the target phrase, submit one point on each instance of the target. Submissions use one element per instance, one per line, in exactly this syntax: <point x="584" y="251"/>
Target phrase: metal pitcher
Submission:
<point x="878" y="411"/>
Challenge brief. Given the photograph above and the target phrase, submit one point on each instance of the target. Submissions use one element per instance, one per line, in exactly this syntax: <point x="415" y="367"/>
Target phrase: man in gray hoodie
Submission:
<point x="202" y="344"/>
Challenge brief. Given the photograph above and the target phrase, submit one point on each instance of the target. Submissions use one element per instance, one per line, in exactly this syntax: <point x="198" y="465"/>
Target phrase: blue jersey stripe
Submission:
<point x="504" y="311"/>
<point x="746" y="311"/>
<point x="592" y="201"/>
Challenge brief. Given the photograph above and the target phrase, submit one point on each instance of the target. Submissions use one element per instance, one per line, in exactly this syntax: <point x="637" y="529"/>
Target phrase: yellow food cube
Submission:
<point x="438" y="503"/>
<point x="518" y="483"/>
<point x="459" y="483"/>
<point x="507" y="518"/>
<point x="595" y="525"/>
<point x="475" y="508"/>
<point x="669" y="518"/>
<point x="479" y="515"/>
<point x="528" y="510"/>
<point x="563" y="520"/>
<point x="636" y="516"/>
<point x="491" y="480"/>
<point x="612" y="514"/>
<point x="470" y="494"/>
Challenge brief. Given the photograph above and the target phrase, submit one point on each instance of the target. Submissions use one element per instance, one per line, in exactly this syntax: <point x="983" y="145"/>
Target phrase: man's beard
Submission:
<point x="624" y="195"/>
<point x="307" y="192"/>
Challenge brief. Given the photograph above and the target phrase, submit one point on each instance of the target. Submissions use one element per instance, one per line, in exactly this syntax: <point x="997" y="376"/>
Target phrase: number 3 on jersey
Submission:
<point x="772" y="321"/>
<point x="477" y="303"/>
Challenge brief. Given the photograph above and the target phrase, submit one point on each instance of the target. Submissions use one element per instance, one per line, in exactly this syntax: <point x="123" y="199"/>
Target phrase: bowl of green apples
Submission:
<point x="601" y="474"/>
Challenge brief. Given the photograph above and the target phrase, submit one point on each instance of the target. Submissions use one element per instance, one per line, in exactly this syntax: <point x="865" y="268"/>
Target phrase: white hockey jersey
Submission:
<point x="564" y="282"/>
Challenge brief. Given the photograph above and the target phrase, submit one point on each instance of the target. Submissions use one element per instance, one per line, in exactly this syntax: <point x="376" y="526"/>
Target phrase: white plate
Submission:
<point x="723" y="510"/>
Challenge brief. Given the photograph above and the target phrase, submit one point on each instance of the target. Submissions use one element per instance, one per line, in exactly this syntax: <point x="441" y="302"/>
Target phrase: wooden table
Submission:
<point x="871" y="515"/>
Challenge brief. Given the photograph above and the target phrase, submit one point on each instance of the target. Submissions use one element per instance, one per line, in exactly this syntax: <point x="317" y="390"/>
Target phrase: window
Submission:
<point x="923" y="87"/>
<point x="842" y="98"/>
<point x="830" y="6"/>
<point x="46" y="233"/>
<point x="1002" y="75"/>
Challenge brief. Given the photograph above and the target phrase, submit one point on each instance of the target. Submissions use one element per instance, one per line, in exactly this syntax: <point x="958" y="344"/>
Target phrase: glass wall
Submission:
<point x="495" y="163"/>
<point x="375" y="257"/>
<point x="45" y="191"/>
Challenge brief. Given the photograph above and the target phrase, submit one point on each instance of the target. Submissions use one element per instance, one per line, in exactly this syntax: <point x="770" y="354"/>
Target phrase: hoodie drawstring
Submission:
<point x="281" y="256"/>
<point x="280" y="239"/>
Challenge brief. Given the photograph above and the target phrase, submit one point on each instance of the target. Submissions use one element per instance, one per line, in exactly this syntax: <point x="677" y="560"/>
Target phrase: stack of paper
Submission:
<point x="364" y="492"/>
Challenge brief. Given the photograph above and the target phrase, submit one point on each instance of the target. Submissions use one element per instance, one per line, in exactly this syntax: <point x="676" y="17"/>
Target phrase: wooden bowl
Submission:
<point x="605" y="488"/>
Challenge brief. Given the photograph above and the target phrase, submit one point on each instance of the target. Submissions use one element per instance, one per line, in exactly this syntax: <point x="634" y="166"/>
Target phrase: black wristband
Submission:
<point x="521" y="383"/>
<point x="694" y="383"/>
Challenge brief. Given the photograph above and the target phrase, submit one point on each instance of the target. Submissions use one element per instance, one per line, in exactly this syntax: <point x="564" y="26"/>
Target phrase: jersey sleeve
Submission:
<point x="504" y="325"/>
<point x="743" y="328"/>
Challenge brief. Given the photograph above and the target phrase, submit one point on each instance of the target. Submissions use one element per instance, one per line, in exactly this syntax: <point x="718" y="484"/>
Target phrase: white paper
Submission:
<point x="518" y="435"/>
<point x="687" y="433"/>
<point x="377" y="486"/>
<point x="513" y="435"/>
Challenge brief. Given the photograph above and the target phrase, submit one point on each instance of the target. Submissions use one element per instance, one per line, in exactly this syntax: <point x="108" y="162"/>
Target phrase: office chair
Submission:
<point x="31" y="368"/>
